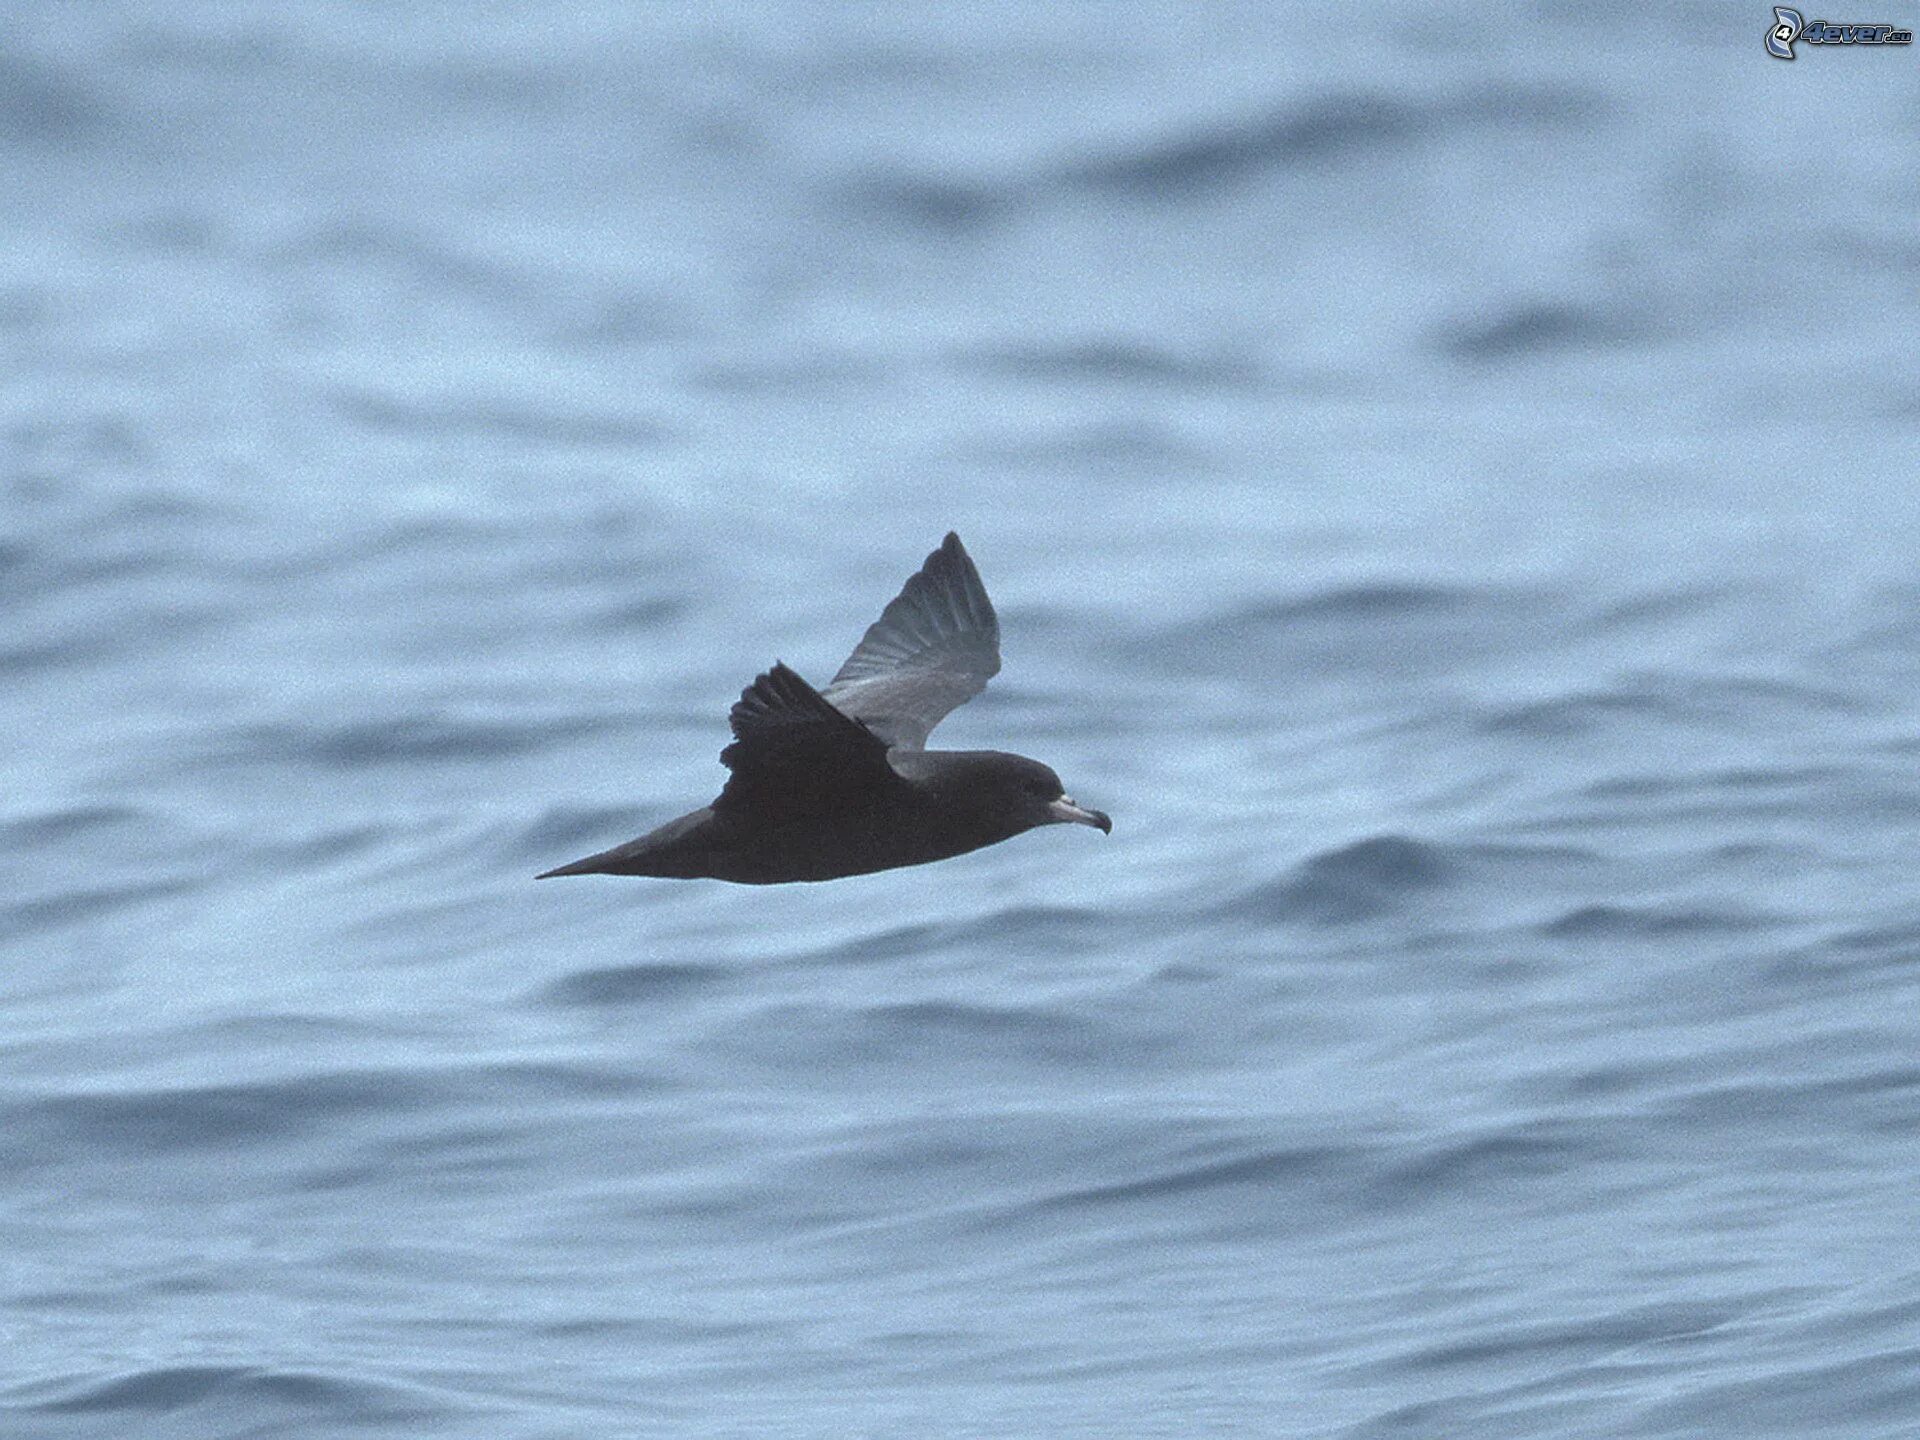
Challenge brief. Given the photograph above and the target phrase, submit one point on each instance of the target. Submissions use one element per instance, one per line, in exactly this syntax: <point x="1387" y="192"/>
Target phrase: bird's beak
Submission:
<point x="1064" y="810"/>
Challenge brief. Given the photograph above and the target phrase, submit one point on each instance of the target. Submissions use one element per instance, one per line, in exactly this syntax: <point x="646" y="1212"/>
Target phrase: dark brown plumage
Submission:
<point x="837" y="782"/>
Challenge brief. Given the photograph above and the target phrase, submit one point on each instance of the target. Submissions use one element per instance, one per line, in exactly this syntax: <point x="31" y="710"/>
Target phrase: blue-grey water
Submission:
<point x="1448" y="477"/>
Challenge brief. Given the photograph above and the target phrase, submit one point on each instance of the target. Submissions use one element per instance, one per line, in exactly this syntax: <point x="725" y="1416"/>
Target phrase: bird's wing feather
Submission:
<point x="792" y="750"/>
<point x="933" y="648"/>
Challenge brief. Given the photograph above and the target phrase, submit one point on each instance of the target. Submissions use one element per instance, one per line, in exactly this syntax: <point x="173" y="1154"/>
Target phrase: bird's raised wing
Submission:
<point x="932" y="649"/>
<point x="793" y="752"/>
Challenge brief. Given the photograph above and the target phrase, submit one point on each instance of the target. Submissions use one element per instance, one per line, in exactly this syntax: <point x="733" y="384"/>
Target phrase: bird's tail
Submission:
<point x="592" y="865"/>
<point x="674" y="851"/>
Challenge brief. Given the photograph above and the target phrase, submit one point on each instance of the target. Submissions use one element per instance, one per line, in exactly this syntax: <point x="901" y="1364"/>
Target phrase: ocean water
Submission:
<point x="1448" y="478"/>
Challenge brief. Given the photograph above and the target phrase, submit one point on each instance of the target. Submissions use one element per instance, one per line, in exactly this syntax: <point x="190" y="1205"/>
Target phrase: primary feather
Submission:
<point x="933" y="649"/>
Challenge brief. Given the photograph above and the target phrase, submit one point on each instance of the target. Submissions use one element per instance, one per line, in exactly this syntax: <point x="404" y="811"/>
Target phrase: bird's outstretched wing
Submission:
<point x="793" y="752"/>
<point x="932" y="649"/>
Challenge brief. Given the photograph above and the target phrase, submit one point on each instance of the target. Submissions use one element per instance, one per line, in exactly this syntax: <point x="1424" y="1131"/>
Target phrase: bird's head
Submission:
<point x="1011" y="791"/>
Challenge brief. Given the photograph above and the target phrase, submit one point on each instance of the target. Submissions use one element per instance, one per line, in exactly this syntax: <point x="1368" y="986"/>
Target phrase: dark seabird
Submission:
<point x="837" y="782"/>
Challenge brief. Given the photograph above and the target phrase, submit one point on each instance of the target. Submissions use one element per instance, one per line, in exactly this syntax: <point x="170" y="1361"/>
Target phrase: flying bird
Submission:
<point x="836" y="782"/>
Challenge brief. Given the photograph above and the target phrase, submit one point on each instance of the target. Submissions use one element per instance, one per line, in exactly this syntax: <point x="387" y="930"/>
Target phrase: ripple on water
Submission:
<point x="284" y="1111"/>
<point x="1354" y="882"/>
<point x="1481" y="1166"/>
<point x="1311" y="129"/>
<point x="637" y="984"/>
<point x="75" y="906"/>
<point x="403" y="739"/>
<point x="1384" y="627"/>
<point x="1016" y="928"/>
<point x="1620" y="922"/>
<point x="253" y="1395"/>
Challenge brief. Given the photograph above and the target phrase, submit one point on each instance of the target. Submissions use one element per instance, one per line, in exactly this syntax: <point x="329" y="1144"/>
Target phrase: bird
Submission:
<point x="837" y="782"/>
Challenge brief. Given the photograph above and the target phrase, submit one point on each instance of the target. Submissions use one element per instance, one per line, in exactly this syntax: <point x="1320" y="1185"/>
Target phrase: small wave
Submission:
<point x="39" y="105"/>
<point x="1544" y="327"/>
<point x="1047" y="926"/>
<point x="70" y="907"/>
<point x="1657" y="610"/>
<point x="1313" y="131"/>
<point x="280" y="1031"/>
<point x="1894" y="942"/>
<point x="618" y="616"/>
<point x="1563" y="716"/>
<point x="935" y="1033"/>
<point x="144" y="1122"/>
<point x="615" y="985"/>
<point x="1594" y="1336"/>
<point x="353" y="744"/>
<point x="1483" y="1162"/>
<point x="1284" y="1165"/>
<point x="1121" y="448"/>
<point x="387" y="248"/>
<point x="1122" y="362"/>
<point x="335" y="843"/>
<point x="940" y="204"/>
<point x="1617" y="922"/>
<point x="1788" y="779"/>
<point x="789" y="372"/>
<point x="1212" y="154"/>
<point x="1363" y="604"/>
<point x="155" y="1120"/>
<point x="78" y="644"/>
<point x="1664" y="699"/>
<point x="1355" y="882"/>
<point x="1206" y="155"/>
<point x="496" y="418"/>
<point x="163" y="1388"/>
<point x="1508" y="854"/>
<point x="22" y="311"/>
<point x="1882" y="1097"/>
<point x="1344" y="628"/>
<point x="57" y="825"/>
<point x="1812" y="1393"/>
<point x="1035" y="1027"/>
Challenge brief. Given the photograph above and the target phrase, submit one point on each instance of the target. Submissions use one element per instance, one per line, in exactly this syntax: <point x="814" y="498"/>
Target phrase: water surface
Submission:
<point x="1449" y="493"/>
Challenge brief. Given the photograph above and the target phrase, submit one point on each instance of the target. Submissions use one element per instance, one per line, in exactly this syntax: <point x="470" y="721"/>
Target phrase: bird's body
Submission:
<point x="837" y="782"/>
